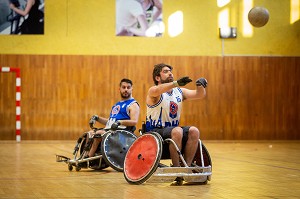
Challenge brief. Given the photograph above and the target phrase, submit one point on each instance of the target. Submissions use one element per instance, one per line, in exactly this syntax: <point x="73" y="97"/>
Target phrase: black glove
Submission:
<point x="115" y="125"/>
<point x="183" y="81"/>
<point x="201" y="82"/>
<point x="93" y="119"/>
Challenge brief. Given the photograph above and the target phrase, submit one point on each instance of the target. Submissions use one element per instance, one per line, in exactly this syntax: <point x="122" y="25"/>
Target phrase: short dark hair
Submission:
<point x="157" y="69"/>
<point x="126" y="80"/>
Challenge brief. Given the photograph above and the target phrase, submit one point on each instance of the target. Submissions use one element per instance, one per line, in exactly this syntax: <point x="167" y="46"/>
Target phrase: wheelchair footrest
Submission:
<point x="61" y="158"/>
<point x="189" y="174"/>
<point x="77" y="161"/>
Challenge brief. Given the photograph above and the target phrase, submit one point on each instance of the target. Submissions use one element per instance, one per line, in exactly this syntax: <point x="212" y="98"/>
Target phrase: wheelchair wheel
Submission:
<point x="206" y="156"/>
<point x="114" y="147"/>
<point x="142" y="158"/>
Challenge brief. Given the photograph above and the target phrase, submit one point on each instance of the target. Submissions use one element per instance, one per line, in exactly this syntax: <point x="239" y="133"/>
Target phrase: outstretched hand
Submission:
<point x="183" y="81"/>
<point x="201" y="82"/>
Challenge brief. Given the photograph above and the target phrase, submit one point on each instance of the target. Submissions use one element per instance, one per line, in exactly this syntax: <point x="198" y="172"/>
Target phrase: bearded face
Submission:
<point x="125" y="90"/>
<point x="125" y="94"/>
<point x="167" y="80"/>
<point x="166" y="75"/>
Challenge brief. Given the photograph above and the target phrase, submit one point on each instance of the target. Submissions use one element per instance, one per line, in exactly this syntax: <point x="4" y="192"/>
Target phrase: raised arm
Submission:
<point x="198" y="93"/>
<point x="155" y="91"/>
<point x="143" y="26"/>
<point x="25" y="12"/>
<point x="158" y="5"/>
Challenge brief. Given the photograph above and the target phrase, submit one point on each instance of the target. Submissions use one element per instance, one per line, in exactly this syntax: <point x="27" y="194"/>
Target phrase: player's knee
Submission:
<point x="194" y="133"/>
<point x="177" y="133"/>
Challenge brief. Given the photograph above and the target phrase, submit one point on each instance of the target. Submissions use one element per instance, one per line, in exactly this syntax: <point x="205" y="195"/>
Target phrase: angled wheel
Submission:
<point x="142" y="158"/>
<point x="206" y="156"/>
<point x="114" y="147"/>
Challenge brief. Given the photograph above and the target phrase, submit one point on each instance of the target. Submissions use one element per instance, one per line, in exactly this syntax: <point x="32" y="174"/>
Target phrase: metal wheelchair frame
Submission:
<point x="158" y="172"/>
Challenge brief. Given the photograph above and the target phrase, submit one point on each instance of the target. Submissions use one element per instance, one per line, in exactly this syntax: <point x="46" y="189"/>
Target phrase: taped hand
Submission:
<point x="201" y="82"/>
<point x="184" y="81"/>
<point x="115" y="125"/>
<point x="93" y="119"/>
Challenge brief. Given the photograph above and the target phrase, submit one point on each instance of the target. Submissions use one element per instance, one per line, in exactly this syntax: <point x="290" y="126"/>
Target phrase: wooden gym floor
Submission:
<point x="241" y="169"/>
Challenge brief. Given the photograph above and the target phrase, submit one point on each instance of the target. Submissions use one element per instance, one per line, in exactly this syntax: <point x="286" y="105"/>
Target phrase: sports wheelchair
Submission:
<point x="110" y="152"/>
<point x="142" y="162"/>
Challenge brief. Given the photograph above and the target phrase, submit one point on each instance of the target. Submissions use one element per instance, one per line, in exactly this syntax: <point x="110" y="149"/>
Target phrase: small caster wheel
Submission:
<point x="78" y="168"/>
<point x="205" y="182"/>
<point x="70" y="167"/>
<point x="178" y="181"/>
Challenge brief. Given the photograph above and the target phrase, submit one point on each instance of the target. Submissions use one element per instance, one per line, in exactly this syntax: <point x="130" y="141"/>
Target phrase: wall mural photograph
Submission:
<point x="18" y="17"/>
<point x="139" y="18"/>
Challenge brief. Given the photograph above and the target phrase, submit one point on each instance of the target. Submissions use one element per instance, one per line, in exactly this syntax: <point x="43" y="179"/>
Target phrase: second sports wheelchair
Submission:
<point x="110" y="152"/>
<point x="142" y="162"/>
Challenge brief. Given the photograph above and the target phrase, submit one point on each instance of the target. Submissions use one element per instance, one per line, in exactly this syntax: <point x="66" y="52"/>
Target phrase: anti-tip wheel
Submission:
<point x="70" y="167"/>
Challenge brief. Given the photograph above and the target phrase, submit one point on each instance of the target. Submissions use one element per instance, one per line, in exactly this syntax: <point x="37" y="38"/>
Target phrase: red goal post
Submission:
<point x="6" y="69"/>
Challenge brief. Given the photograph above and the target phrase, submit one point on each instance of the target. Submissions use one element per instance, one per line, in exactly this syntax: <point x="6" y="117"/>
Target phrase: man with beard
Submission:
<point x="164" y="105"/>
<point x="124" y="113"/>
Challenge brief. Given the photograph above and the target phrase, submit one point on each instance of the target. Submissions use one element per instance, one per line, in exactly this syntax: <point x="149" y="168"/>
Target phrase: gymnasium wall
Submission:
<point x="88" y="28"/>
<point x="247" y="97"/>
<point x="73" y="70"/>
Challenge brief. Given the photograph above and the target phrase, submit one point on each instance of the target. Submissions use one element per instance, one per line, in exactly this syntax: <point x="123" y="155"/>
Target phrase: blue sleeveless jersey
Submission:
<point x="120" y="111"/>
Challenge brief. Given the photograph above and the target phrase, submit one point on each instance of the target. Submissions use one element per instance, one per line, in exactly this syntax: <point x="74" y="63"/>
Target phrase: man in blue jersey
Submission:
<point x="124" y="113"/>
<point x="164" y="105"/>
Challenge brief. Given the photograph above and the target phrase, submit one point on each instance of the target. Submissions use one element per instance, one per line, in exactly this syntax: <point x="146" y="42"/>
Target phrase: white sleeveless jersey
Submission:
<point x="166" y="112"/>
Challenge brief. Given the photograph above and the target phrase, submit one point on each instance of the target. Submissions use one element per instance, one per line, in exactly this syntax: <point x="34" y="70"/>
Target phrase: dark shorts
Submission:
<point x="166" y="133"/>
